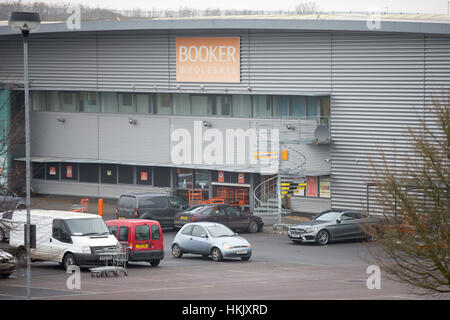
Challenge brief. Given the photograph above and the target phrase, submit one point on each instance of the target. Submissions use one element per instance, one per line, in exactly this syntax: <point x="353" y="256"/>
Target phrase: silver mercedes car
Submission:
<point x="332" y="225"/>
<point x="210" y="239"/>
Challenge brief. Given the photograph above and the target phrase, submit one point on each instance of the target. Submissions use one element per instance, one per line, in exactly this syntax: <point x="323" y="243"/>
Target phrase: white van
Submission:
<point x="63" y="236"/>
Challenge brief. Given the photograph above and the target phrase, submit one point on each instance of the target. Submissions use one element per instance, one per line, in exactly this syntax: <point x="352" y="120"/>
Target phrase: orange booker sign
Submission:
<point x="208" y="59"/>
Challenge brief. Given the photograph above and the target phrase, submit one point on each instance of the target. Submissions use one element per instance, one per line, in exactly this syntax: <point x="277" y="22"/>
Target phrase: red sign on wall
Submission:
<point x="241" y="177"/>
<point x="144" y="175"/>
<point x="221" y="176"/>
<point x="52" y="171"/>
<point x="311" y="186"/>
<point x="69" y="171"/>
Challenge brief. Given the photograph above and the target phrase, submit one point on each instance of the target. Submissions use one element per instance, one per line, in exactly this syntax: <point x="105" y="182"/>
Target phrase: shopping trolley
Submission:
<point x="118" y="259"/>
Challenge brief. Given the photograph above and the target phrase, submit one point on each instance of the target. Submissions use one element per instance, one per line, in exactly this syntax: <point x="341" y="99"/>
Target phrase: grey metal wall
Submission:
<point x="379" y="87"/>
<point x="379" y="83"/>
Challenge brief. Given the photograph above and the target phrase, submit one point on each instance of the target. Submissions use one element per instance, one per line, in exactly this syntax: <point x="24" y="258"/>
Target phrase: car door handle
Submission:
<point x="191" y="239"/>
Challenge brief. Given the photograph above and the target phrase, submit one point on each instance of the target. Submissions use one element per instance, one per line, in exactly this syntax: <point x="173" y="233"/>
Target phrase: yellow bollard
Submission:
<point x="100" y="207"/>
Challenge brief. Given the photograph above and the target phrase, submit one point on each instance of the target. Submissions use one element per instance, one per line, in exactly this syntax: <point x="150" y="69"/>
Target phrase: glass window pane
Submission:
<point x="89" y="102"/>
<point x="143" y="103"/>
<point x="181" y="105"/>
<point x="142" y="233"/>
<point x="156" y="234"/>
<point x="324" y="110"/>
<point x="201" y="179"/>
<point x="297" y="106"/>
<point x="68" y="102"/>
<point x="109" y="102"/>
<point x="199" y="105"/>
<point x="242" y="106"/>
<point x="313" y="105"/>
<point x="53" y="101"/>
<point x="261" y="107"/>
<point x="163" y="103"/>
<point x="220" y="105"/>
<point x="280" y="106"/>
<point x="325" y="186"/>
<point x="185" y="178"/>
<point x="38" y="101"/>
<point x="126" y="103"/>
<point x="144" y="175"/>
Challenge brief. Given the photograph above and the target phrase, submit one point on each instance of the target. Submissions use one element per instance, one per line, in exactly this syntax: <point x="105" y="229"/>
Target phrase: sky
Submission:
<point x="406" y="6"/>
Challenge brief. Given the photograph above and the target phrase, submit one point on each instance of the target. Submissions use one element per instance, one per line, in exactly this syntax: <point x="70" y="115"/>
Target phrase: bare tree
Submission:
<point x="413" y="241"/>
<point x="306" y="8"/>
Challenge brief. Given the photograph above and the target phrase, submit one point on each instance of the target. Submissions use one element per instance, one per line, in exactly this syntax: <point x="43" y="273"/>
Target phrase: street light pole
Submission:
<point x="25" y="22"/>
<point x="27" y="160"/>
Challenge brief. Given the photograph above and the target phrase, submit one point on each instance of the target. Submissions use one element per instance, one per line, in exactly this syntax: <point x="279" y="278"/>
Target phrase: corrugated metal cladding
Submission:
<point x="379" y="82"/>
<point x="379" y="86"/>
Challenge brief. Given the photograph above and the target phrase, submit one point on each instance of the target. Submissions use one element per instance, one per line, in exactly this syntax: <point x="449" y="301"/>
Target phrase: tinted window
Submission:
<point x="347" y="216"/>
<point x="187" y="230"/>
<point x="142" y="233"/>
<point x="109" y="173"/>
<point x="153" y="202"/>
<point x="218" y="211"/>
<point x="89" y="172"/>
<point x="126" y="174"/>
<point x="59" y="231"/>
<point x="156" y="235"/>
<point x="232" y="211"/>
<point x="127" y="202"/>
<point x="198" y="231"/>
<point x="113" y="230"/>
<point x="123" y="234"/>
<point x="177" y="203"/>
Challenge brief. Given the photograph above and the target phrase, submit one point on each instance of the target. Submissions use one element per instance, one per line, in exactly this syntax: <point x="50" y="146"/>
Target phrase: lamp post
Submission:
<point x="26" y="22"/>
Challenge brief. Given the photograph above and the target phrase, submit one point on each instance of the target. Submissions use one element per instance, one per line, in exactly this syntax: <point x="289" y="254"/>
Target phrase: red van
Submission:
<point x="144" y="237"/>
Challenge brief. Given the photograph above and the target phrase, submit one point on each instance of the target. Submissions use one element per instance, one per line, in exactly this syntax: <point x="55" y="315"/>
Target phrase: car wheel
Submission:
<point x="5" y="275"/>
<point x="21" y="207"/>
<point x="253" y="227"/>
<point x="154" y="263"/>
<point x="68" y="260"/>
<point x="323" y="237"/>
<point x="216" y="255"/>
<point x="176" y="251"/>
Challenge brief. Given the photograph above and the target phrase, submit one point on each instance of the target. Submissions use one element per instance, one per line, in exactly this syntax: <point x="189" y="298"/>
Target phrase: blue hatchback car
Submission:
<point x="210" y="239"/>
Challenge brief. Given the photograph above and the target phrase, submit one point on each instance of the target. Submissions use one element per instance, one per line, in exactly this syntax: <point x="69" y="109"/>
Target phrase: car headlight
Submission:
<point x="86" y="249"/>
<point x="227" y="246"/>
<point x="311" y="230"/>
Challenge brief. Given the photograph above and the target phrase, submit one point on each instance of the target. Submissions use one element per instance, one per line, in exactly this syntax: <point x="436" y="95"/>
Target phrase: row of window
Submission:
<point x="240" y="106"/>
<point x="186" y="179"/>
<point x="103" y="173"/>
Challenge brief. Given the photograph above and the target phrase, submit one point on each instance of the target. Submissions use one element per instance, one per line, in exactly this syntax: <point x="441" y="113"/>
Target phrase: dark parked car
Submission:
<point x="10" y="201"/>
<point x="159" y="207"/>
<point x="229" y="216"/>
<point x="332" y="225"/>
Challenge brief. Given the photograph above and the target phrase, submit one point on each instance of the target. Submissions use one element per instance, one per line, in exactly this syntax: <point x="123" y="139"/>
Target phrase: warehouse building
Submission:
<point x="228" y="107"/>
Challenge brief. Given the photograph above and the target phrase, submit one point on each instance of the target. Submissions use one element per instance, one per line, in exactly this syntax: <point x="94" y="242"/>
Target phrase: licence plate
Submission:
<point x="295" y="235"/>
<point x="105" y="257"/>
<point x="142" y="246"/>
<point x="183" y="218"/>
<point x="121" y="218"/>
<point x="241" y="252"/>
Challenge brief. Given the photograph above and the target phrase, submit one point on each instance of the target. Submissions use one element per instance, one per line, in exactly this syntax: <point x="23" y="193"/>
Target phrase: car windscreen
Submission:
<point x="329" y="216"/>
<point x="217" y="231"/>
<point x="87" y="227"/>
